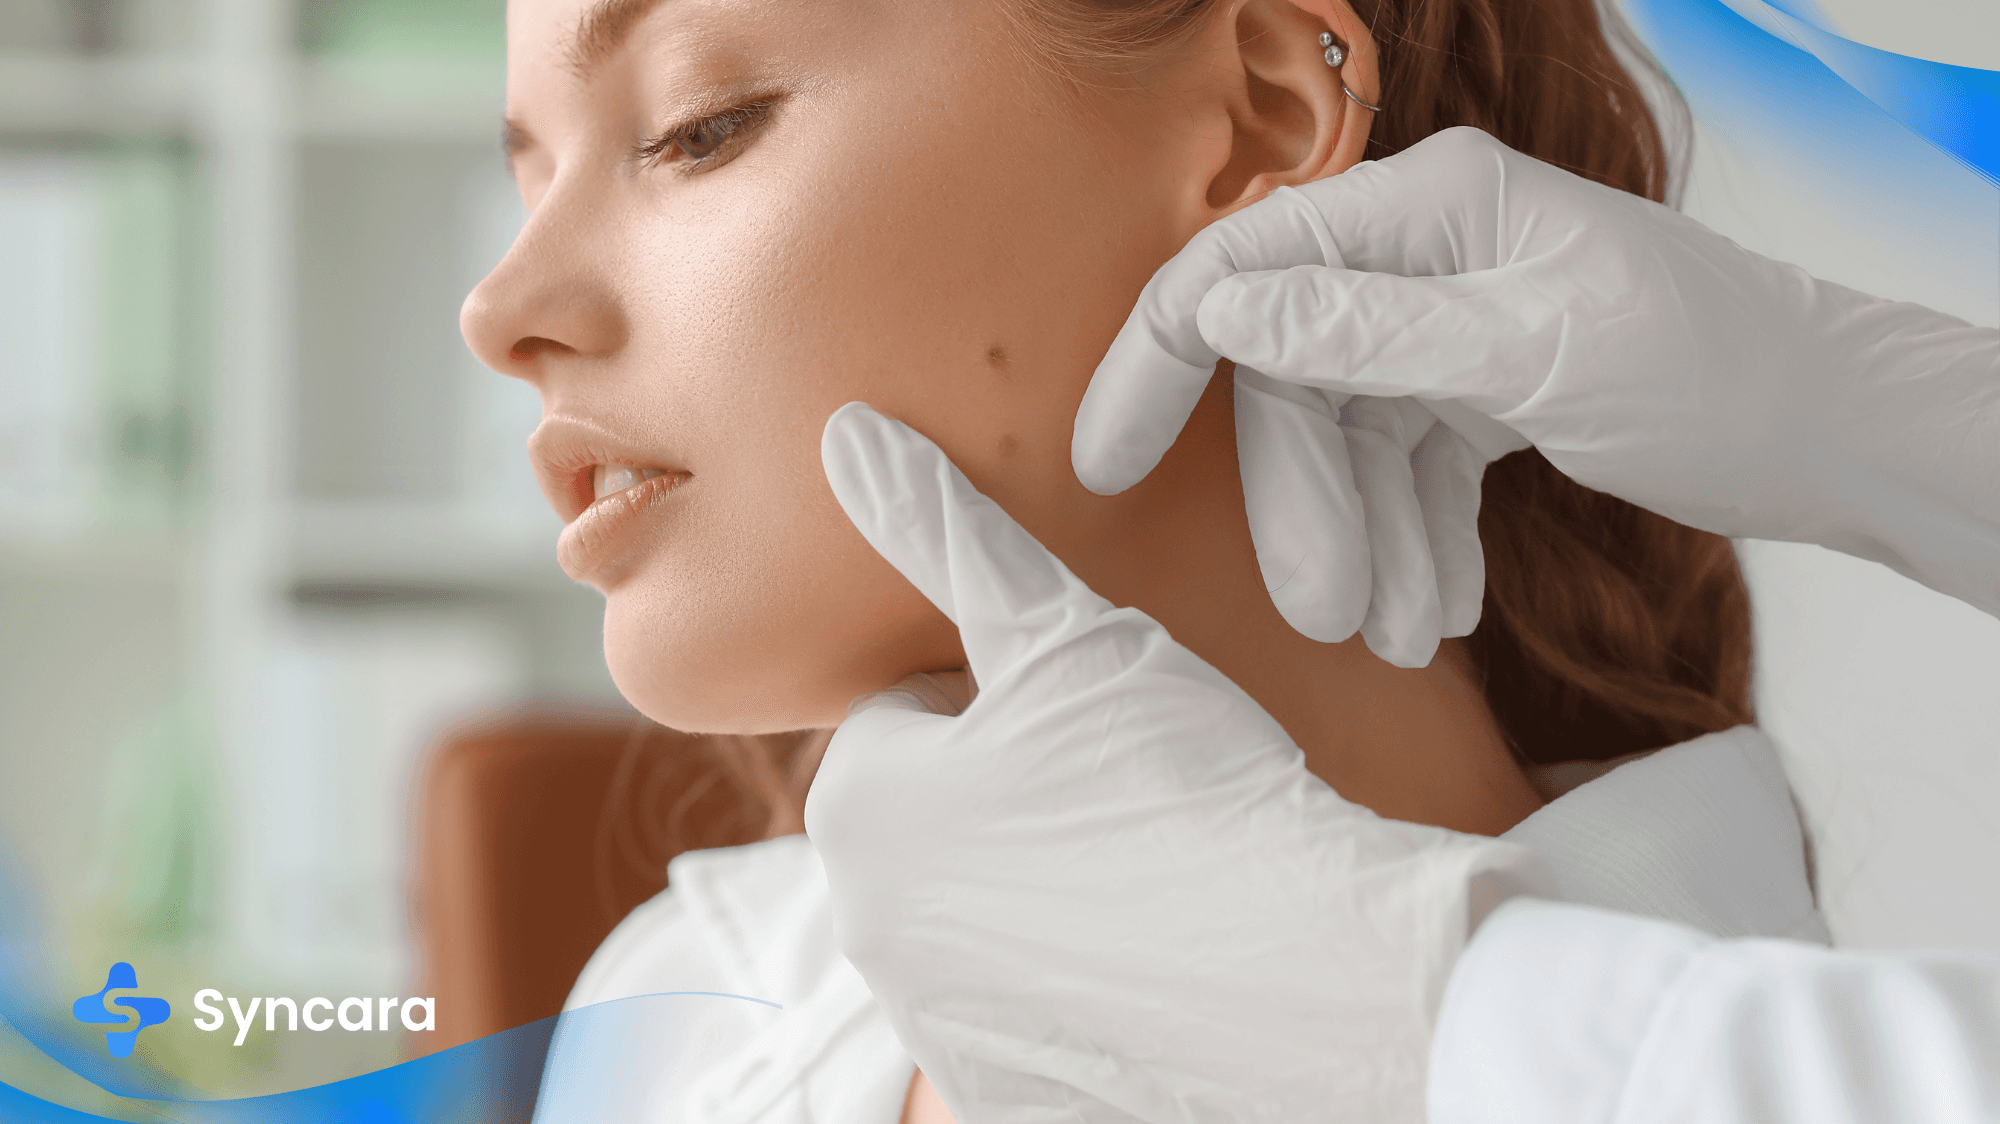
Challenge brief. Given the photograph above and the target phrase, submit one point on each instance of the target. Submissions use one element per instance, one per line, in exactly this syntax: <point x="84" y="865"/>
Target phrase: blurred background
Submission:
<point x="267" y="529"/>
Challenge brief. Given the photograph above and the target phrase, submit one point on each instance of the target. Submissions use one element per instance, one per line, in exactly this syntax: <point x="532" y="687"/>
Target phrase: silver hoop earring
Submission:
<point x="1336" y="58"/>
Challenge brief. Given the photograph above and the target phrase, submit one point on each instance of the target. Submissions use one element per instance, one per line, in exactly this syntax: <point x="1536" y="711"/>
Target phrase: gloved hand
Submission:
<point x="1109" y="890"/>
<point x="1365" y="513"/>
<point x="1644" y="354"/>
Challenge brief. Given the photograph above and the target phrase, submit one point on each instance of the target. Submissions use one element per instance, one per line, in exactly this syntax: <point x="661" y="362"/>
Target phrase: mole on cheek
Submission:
<point x="996" y="358"/>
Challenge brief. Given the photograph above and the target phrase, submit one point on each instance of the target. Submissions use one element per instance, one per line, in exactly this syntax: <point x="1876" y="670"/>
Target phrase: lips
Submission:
<point x="595" y="538"/>
<point x="602" y="484"/>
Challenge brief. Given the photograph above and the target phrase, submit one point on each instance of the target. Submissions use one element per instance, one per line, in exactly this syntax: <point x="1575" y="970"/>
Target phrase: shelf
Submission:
<point x="422" y="544"/>
<point x="394" y="97"/>
<point x="113" y="94"/>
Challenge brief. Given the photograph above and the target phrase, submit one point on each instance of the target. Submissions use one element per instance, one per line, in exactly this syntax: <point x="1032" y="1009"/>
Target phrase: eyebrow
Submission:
<point x="602" y="30"/>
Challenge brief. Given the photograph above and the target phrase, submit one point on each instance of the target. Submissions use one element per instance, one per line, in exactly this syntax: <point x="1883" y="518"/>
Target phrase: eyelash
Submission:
<point x="732" y="122"/>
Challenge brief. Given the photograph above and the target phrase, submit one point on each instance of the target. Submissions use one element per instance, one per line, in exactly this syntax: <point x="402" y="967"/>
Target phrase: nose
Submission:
<point x="549" y="301"/>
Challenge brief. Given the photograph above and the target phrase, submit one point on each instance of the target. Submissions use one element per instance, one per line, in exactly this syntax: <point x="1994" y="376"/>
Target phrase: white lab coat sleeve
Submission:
<point x="1565" y="1014"/>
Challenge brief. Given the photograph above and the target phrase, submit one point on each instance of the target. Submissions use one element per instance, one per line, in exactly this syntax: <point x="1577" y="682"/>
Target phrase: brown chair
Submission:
<point x="536" y="831"/>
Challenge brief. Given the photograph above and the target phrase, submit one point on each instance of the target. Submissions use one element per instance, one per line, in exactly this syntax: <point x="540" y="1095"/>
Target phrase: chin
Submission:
<point x="689" y="696"/>
<point x="751" y="648"/>
<point x="714" y="688"/>
<point x="697" y="706"/>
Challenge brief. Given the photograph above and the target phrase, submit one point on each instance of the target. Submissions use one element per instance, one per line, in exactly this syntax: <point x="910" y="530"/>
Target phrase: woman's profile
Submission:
<point x="746" y="213"/>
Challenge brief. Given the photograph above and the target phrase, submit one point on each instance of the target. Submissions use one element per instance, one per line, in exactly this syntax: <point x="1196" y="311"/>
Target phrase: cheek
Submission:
<point x="764" y="610"/>
<point x="929" y="295"/>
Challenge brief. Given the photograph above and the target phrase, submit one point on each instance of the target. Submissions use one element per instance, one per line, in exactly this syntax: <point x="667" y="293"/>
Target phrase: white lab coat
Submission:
<point x="1559" y="1013"/>
<point x="1703" y="833"/>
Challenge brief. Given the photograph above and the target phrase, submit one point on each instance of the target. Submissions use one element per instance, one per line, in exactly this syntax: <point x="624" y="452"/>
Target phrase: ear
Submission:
<point x="1289" y="120"/>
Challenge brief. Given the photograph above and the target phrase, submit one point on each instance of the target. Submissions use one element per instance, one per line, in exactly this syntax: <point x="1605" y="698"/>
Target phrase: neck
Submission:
<point x="1410" y="744"/>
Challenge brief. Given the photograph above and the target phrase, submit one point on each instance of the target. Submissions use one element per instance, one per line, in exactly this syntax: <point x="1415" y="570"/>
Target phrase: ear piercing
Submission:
<point x="1336" y="58"/>
<point x="1334" y="55"/>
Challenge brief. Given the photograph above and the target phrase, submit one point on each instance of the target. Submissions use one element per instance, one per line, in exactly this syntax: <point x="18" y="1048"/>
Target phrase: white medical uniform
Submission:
<point x="1703" y="833"/>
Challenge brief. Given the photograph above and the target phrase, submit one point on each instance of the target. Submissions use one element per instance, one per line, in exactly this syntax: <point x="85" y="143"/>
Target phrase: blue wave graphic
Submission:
<point x="494" y="1080"/>
<point x="1956" y="108"/>
<point x="1783" y="59"/>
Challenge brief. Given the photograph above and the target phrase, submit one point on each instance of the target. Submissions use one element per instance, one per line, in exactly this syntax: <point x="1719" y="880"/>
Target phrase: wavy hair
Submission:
<point x="1606" y="629"/>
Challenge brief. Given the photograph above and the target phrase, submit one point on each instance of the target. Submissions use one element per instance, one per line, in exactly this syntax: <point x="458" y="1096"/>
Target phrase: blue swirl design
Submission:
<point x="1764" y="54"/>
<point x="1956" y="108"/>
<point x="493" y="1080"/>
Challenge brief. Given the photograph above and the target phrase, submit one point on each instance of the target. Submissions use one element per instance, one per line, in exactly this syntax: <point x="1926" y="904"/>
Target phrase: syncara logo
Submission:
<point x="93" y="1009"/>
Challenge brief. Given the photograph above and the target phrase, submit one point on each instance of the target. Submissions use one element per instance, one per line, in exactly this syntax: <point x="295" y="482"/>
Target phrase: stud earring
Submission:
<point x="1336" y="58"/>
<point x="1334" y="55"/>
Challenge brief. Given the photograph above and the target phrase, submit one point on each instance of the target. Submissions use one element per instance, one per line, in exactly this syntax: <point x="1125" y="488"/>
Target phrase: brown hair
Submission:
<point x="1606" y="629"/>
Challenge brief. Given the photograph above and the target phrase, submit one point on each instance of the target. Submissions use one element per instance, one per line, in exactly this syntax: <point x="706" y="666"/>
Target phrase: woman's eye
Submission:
<point x="704" y="142"/>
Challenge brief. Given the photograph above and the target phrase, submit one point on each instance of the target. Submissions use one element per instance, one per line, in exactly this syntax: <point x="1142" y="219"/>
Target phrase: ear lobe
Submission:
<point x="1289" y="120"/>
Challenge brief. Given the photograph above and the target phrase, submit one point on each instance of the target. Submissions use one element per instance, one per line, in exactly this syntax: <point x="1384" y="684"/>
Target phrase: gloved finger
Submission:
<point x="1009" y="597"/>
<point x="1448" y="470"/>
<point x="1381" y="335"/>
<point x="1149" y="380"/>
<point x="1306" y="518"/>
<point x="1435" y="208"/>
<point x="1405" y="619"/>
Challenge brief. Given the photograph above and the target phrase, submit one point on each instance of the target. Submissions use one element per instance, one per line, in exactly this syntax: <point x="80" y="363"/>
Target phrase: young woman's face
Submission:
<point x="882" y="200"/>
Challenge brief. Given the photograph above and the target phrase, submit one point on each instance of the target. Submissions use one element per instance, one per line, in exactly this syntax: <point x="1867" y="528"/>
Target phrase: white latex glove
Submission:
<point x="1644" y="354"/>
<point x="1364" y="511"/>
<point x="1109" y="890"/>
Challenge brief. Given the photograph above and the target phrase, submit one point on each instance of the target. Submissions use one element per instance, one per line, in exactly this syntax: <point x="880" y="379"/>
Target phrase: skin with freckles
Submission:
<point x="746" y="213"/>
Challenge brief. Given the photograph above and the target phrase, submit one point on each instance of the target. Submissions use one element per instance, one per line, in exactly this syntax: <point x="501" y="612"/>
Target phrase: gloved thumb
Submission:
<point x="873" y="756"/>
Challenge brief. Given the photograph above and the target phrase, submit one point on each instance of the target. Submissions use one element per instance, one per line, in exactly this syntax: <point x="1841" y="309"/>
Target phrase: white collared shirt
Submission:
<point x="1703" y="833"/>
